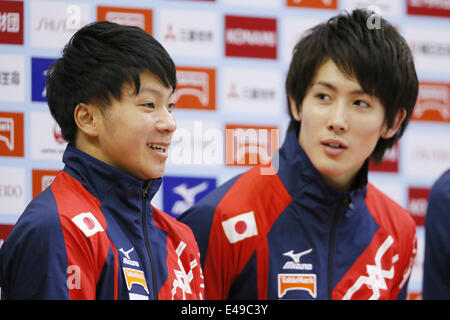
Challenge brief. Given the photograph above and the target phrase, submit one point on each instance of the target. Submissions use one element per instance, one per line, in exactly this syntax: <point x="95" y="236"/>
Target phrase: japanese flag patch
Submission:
<point x="87" y="223"/>
<point x="240" y="227"/>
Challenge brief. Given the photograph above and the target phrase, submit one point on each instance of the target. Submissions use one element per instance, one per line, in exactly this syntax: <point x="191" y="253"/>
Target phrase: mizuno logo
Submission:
<point x="295" y="264"/>
<point x="188" y="195"/>
<point x="126" y="253"/>
<point x="127" y="259"/>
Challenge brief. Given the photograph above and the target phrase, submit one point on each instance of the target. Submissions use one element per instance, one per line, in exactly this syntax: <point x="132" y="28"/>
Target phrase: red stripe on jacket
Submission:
<point x="86" y="256"/>
<point x="237" y="254"/>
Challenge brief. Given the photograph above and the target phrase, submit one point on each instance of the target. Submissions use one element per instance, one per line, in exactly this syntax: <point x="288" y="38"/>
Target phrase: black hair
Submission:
<point x="374" y="53"/>
<point x="95" y="64"/>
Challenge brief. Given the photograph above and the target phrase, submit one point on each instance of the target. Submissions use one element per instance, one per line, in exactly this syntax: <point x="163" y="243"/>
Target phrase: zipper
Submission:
<point x="331" y="244"/>
<point x="147" y="243"/>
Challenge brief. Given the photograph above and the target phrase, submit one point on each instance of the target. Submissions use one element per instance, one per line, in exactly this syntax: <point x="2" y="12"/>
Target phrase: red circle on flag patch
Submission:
<point x="89" y="223"/>
<point x="240" y="227"/>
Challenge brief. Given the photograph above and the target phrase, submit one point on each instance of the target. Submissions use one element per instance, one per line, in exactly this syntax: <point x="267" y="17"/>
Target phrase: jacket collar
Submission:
<point x="300" y="176"/>
<point x="104" y="181"/>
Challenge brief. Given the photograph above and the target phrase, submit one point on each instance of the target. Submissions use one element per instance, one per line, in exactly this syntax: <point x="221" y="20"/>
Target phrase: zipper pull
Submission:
<point x="145" y="189"/>
<point x="346" y="203"/>
<point x="346" y="200"/>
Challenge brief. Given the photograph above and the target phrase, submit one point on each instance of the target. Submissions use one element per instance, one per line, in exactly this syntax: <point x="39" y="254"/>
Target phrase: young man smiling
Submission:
<point x="93" y="233"/>
<point x="317" y="229"/>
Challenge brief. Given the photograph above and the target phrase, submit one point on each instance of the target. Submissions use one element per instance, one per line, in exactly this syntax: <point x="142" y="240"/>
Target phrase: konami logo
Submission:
<point x="320" y="4"/>
<point x="251" y="37"/>
<point x="5" y="230"/>
<point x="42" y="179"/>
<point x="389" y="163"/>
<point x="11" y="134"/>
<point x="250" y="145"/>
<point x="11" y="22"/>
<point x="135" y="17"/>
<point x="417" y="204"/>
<point x="196" y="88"/>
<point x="438" y="8"/>
<point x="433" y="102"/>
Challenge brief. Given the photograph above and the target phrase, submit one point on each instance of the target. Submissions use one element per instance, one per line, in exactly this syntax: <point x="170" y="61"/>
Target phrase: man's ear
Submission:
<point x="294" y="110"/>
<point x="86" y="118"/>
<point x="399" y="118"/>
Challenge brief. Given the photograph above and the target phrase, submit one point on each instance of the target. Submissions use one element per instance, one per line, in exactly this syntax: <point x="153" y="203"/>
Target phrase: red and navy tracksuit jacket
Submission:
<point x="436" y="266"/>
<point x="93" y="234"/>
<point x="289" y="235"/>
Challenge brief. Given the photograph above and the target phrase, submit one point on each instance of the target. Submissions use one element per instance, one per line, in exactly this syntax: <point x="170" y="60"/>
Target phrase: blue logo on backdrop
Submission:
<point x="180" y="193"/>
<point x="39" y="68"/>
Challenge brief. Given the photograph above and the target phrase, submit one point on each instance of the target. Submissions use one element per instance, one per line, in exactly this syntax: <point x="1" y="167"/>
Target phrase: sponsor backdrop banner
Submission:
<point x="232" y="57"/>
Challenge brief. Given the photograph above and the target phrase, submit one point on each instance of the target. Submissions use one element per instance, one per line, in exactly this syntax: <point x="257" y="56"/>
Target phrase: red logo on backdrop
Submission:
<point x="196" y="88"/>
<point x="389" y="162"/>
<point x="251" y="37"/>
<point x="429" y="8"/>
<point x="141" y="18"/>
<point x="250" y="145"/>
<point x="5" y="230"/>
<point x="11" y="22"/>
<point x="417" y="204"/>
<point x="11" y="134"/>
<point x="57" y="134"/>
<point x="414" y="296"/>
<point x="319" y="4"/>
<point x="42" y="180"/>
<point x="433" y="102"/>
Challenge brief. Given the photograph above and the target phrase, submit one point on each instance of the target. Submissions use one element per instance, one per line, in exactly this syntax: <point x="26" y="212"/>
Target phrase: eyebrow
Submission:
<point x="149" y="90"/>
<point x="333" y="88"/>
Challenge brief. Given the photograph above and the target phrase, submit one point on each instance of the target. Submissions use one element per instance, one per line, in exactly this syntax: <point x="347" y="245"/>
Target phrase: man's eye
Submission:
<point x="362" y="104"/>
<point x="149" y="105"/>
<point x="171" y="106"/>
<point x="323" y="97"/>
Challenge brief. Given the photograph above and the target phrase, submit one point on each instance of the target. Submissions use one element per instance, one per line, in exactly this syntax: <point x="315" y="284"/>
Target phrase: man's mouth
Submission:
<point x="158" y="147"/>
<point x="335" y="144"/>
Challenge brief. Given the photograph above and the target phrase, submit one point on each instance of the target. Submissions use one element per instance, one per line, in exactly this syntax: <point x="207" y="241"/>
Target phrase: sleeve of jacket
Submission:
<point x="33" y="262"/>
<point x="214" y="251"/>
<point x="436" y="277"/>
<point x="408" y="256"/>
<point x="411" y="251"/>
<point x="199" y="219"/>
<point x="213" y="257"/>
<point x="200" y="216"/>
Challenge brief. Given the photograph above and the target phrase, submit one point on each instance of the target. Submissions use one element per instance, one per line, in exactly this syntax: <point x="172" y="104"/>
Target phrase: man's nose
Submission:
<point x="166" y="121"/>
<point x="337" y="120"/>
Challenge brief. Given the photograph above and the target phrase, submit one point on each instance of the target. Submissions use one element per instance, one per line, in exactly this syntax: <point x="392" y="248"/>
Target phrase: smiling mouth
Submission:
<point x="157" y="147"/>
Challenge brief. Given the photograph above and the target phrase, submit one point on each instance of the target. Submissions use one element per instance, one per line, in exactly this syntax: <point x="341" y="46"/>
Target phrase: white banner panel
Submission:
<point x="53" y="23"/>
<point x="12" y="190"/>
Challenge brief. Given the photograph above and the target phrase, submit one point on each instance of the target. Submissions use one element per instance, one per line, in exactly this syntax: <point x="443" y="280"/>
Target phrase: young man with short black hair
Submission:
<point x="93" y="234"/>
<point x="316" y="229"/>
